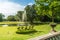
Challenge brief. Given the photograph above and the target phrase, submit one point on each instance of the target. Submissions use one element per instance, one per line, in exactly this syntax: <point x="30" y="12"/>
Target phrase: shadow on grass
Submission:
<point x="29" y="32"/>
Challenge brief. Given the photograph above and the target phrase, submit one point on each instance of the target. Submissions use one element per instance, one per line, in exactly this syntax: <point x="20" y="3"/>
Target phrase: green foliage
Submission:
<point x="47" y="7"/>
<point x="1" y="17"/>
<point x="25" y="31"/>
<point x="11" y="18"/>
<point x="9" y="33"/>
<point x="18" y="16"/>
<point x="31" y="12"/>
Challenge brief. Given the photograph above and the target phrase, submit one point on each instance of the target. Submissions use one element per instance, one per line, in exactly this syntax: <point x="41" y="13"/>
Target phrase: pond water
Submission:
<point x="5" y="25"/>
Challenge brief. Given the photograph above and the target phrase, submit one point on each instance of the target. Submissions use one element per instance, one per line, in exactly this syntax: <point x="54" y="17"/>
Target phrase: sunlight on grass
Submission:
<point x="9" y="33"/>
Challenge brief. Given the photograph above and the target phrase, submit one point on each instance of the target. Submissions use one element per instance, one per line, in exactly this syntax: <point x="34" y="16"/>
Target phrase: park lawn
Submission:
<point x="9" y="33"/>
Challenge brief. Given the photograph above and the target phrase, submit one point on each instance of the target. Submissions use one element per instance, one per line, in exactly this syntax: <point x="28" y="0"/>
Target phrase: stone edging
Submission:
<point x="45" y="36"/>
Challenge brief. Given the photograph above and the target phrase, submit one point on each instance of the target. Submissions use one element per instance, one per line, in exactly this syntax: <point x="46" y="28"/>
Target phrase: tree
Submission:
<point x="41" y="9"/>
<point x="31" y="12"/>
<point x="19" y="15"/>
<point x="1" y="17"/>
<point x="11" y="18"/>
<point x="47" y="7"/>
<point x="54" y="6"/>
<point x="57" y="18"/>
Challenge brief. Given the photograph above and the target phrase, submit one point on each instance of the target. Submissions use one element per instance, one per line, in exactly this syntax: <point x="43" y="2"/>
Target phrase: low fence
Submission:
<point x="50" y="36"/>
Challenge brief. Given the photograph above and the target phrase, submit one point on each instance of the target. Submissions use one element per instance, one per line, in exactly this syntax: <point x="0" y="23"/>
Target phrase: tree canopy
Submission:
<point x="18" y="16"/>
<point x="1" y="17"/>
<point x="47" y="7"/>
<point x="11" y="18"/>
<point x="31" y="12"/>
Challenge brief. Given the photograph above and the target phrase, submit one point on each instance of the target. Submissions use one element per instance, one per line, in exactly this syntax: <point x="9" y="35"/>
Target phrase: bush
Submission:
<point x="25" y="31"/>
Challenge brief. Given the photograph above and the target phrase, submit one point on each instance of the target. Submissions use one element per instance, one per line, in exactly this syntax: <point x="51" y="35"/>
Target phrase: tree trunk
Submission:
<point x="53" y="13"/>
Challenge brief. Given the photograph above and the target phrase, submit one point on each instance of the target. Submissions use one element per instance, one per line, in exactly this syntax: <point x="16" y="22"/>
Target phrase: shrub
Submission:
<point x="24" y="31"/>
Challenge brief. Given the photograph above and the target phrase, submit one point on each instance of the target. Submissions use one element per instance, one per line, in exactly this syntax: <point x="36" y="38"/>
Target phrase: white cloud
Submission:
<point x="30" y="3"/>
<point x="10" y="8"/>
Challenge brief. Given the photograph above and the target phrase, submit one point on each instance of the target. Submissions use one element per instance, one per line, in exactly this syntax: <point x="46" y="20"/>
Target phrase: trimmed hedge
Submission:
<point x="25" y="31"/>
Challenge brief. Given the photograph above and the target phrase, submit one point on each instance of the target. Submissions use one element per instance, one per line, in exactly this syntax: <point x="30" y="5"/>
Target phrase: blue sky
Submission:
<point x="10" y="7"/>
<point x="23" y="2"/>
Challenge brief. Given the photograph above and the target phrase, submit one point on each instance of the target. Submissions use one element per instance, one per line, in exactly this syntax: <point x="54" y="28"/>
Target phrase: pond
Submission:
<point x="5" y="25"/>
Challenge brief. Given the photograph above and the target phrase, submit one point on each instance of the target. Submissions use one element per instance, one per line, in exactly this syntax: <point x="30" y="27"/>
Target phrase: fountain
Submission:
<point x="24" y="17"/>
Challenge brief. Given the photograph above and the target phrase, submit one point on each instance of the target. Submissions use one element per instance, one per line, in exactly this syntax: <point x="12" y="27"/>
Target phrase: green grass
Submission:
<point x="12" y="22"/>
<point x="9" y="33"/>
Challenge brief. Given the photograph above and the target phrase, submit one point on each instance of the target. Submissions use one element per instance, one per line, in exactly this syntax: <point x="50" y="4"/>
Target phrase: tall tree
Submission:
<point x="31" y="12"/>
<point x="19" y="15"/>
<point x="47" y="7"/>
<point x="1" y="17"/>
<point x="11" y="18"/>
